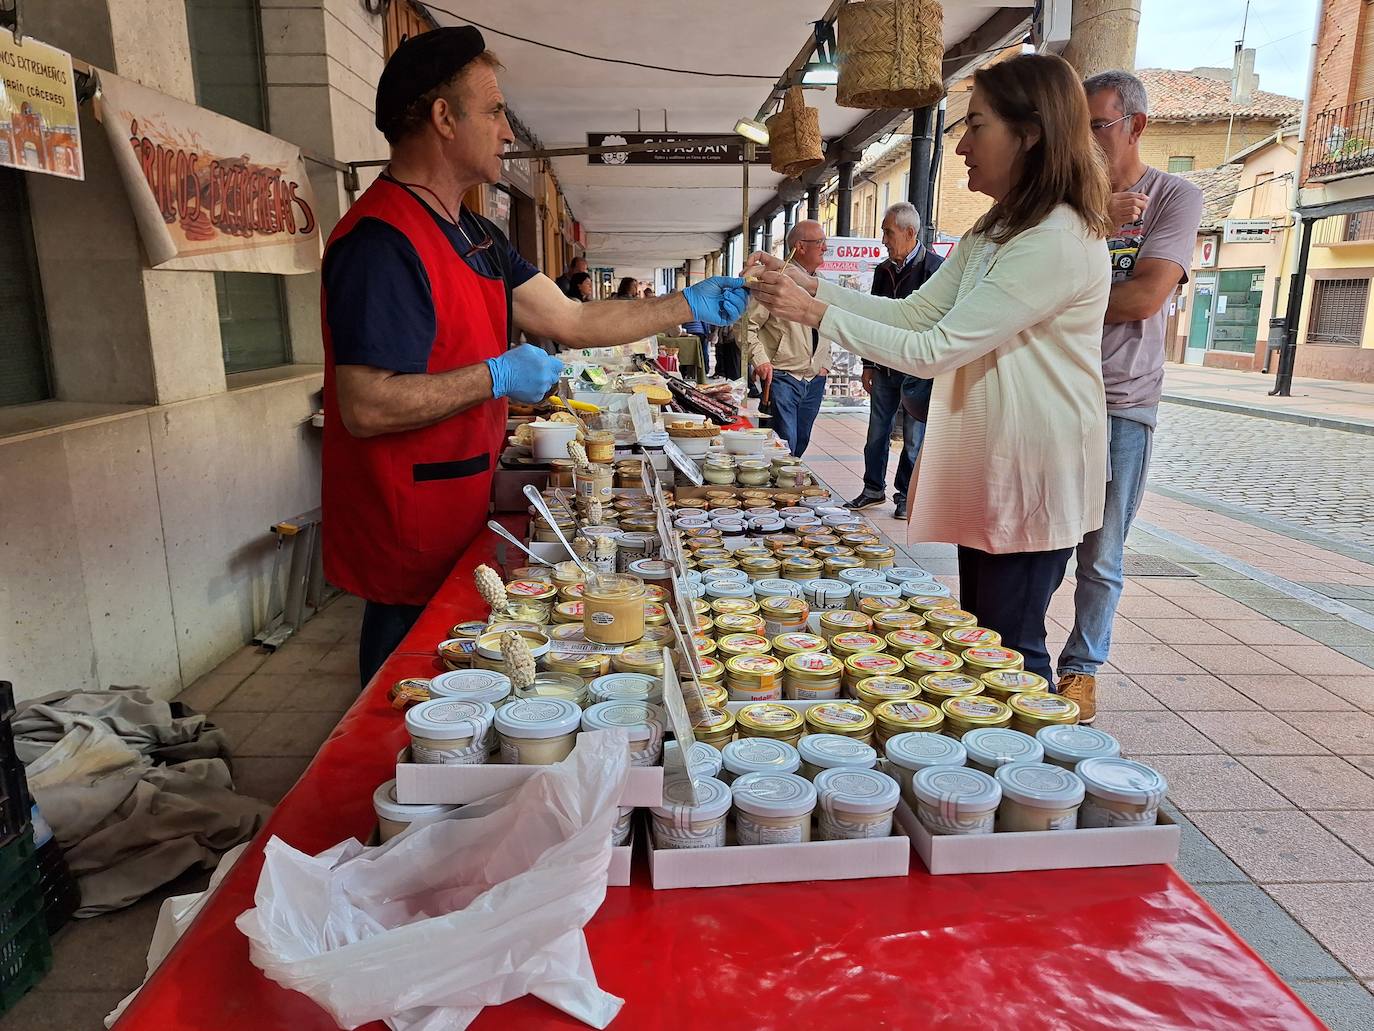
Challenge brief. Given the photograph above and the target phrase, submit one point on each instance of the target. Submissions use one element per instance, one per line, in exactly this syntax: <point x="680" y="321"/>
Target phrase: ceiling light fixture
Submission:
<point x="821" y="70"/>
<point x="752" y="129"/>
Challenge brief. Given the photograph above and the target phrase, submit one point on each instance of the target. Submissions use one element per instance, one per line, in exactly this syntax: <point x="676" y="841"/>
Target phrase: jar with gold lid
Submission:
<point x="973" y="711"/>
<point x="834" y="563"/>
<point x="743" y="644"/>
<point x="712" y="670"/>
<point x="858" y="539"/>
<point x="574" y="591"/>
<point x="885" y="687"/>
<point x="875" y="556"/>
<point x="696" y="503"/>
<point x="905" y="716"/>
<point x="613" y="609"/>
<point x="737" y="623"/>
<point x="457" y="652"/>
<point x="488" y="652"/>
<point x="715" y="696"/>
<point x="544" y="573"/>
<point x="1003" y="683"/>
<point x="942" y="619"/>
<point x="778" y="541"/>
<point x="760" y="568"/>
<point x="704" y="624"/>
<point x="796" y="643"/>
<point x="735" y="606"/>
<point x="470" y="629"/>
<point x="568" y="632"/>
<point x="771" y="720"/>
<point x="704" y="644"/>
<point x="921" y="661"/>
<point x="962" y="638"/>
<point x="987" y="658"/>
<point x="937" y="687"/>
<point x="886" y="622"/>
<point x="639" y="658"/>
<point x="628" y="475"/>
<point x="715" y="726"/>
<point x="753" y="551"/>
<point x="1031" y="712"/>
<point x="819" y="540"/>
<point x="869" y="664"/>
<point x="801" y="568"/>
<point x="757" y="498"/>
<point x="660" y="635"/>
<point x="561" y="472"/>
<point x="655" y="613"/>
<point x="842" y="621"/>
<point x="902" y="641"/>
<point x="637" y="523"/>
<point x="926" y="603"/>
<point x="754" y="678"/>
<point x="855" y="642"/>
<point x="845" y="718"/>
<point x="873" y="606"/>
<point x="532" y="600"/>
<point x="835" y="551"/>
<point x="569" y="611"/>
<point x="655" y="593"/>
<point x="812" y="676"/>
<point x="783" y="615"/>
<point x="585" y="667"/>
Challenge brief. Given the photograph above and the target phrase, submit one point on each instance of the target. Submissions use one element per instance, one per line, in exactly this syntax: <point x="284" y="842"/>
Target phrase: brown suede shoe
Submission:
<point x="1081" y="688"/>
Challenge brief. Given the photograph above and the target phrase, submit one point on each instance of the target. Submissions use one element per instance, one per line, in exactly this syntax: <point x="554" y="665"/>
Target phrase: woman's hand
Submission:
<point x="784" y="297"/>
<point x="762" y="261"/>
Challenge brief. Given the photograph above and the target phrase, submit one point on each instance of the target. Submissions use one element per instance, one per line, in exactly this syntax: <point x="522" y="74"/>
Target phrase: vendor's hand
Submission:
<point x="1127" y="208"/>
<point x="781" y="295"/>
<point x="867" y="380"/>
<point x="525" y="374"/>
<point x="717" y="301"/>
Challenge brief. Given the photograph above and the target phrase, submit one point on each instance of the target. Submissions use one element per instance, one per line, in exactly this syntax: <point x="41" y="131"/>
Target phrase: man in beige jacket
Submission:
<point x="791" y="360"/>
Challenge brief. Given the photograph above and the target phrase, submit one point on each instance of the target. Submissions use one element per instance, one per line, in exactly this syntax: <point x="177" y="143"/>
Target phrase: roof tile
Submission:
<point x="1176" y="95"/>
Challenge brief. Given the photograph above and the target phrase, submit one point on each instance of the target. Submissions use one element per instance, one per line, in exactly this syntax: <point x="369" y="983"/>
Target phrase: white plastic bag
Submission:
<point x="480" y="908"/>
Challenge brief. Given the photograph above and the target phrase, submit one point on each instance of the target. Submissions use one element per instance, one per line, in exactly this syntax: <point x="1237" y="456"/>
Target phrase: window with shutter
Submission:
<point x="23" y="343"/>
<point x="1338" y="311"/>
<point x="1180" y="163"/>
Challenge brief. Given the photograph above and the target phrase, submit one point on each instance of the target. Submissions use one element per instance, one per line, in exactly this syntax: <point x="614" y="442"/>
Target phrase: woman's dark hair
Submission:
<point x="575" y="282"/>
<point x="1042" y="93"/>
<point x="626" y="286"/>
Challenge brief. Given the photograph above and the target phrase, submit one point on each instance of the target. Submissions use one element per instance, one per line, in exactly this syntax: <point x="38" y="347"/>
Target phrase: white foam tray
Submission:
<point x="773" y="864"/>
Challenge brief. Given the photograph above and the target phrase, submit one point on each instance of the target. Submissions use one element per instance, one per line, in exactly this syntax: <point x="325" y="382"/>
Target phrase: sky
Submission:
<point x="1189" y="33"/>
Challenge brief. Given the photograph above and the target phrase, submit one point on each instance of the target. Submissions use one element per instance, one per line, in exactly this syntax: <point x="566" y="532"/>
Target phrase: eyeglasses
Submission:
<point x="1097" y="126"/>
<point x="813" y="240"/>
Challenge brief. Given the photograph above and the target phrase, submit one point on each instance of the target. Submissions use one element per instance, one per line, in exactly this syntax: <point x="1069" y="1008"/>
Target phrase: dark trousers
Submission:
<point x="384" y="627"/>
<point x="727" y="360"/>
<point x="1011" y="594"/>
<point x="885" y="408"/>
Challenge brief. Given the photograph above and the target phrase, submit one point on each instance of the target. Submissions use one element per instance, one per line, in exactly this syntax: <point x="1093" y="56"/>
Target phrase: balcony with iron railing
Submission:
<point x="1341" y="141"/>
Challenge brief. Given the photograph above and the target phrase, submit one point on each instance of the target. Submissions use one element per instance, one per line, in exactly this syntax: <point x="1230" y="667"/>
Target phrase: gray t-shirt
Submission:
<point x="1133" y="352"/>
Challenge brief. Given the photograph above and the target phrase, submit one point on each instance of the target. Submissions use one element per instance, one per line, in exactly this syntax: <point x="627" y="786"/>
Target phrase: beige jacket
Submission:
<point x="784" y="345"/>
<point x="1015" y="453"/>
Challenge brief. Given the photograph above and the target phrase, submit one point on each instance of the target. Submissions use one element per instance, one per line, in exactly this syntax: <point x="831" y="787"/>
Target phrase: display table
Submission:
<point x="1118" y="948"/>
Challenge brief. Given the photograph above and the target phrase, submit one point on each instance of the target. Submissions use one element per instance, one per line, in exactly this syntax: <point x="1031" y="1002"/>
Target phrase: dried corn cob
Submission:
<point x="490" y="587"/>
<point x="579" y="456"/>
<point x="515" y="650"/>
<point x="594" y="512"/>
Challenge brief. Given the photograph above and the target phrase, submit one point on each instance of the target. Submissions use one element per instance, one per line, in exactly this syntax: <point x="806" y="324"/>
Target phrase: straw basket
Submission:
<point x="888" y="53"/>
<point x="794" y="136"/>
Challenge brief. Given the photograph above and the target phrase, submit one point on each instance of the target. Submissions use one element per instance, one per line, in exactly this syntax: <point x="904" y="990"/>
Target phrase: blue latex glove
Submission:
<point x="525" y="374"/>
<point x="717" y="301"/>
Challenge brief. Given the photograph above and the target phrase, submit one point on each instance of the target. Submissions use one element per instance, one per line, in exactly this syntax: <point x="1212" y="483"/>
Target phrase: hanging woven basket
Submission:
<point x="794" y="135"/>
<point x="888" y="53"/>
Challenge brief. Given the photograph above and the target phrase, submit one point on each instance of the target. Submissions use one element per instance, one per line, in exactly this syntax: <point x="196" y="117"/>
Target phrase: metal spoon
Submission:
<point x="501" y="531"/>
<point x="537" y="500"/>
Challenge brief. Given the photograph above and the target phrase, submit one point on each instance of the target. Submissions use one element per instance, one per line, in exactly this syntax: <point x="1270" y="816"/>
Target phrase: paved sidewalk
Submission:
<point x="1333" y="403"/>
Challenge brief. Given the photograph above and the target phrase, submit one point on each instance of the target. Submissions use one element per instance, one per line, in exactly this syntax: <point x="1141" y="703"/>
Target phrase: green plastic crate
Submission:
<point x="25" y="952"/>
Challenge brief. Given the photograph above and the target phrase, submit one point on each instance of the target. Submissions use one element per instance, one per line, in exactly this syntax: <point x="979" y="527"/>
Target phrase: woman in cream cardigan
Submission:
<point x="1014" y="464"/>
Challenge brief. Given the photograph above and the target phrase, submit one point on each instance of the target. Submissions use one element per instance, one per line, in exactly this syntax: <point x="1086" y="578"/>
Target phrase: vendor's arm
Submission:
<point x="374" y="401"/>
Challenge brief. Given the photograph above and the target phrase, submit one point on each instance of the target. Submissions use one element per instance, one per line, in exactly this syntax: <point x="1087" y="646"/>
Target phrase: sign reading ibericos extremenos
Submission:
<point x="209" y="193"/>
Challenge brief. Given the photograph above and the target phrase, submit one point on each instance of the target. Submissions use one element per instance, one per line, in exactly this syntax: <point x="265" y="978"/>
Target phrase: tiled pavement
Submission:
<point x="1258" y="707"/>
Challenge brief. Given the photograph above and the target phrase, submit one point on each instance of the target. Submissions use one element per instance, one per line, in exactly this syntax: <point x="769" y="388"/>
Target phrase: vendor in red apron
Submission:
<point x="421" y="298"/>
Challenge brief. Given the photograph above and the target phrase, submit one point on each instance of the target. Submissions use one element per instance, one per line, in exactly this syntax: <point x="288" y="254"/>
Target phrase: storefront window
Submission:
<point x="23" y="345"/>
<point x="252" y="321"/>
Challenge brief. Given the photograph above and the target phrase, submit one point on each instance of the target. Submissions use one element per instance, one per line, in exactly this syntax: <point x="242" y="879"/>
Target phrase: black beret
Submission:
<point x="420" y="64"/>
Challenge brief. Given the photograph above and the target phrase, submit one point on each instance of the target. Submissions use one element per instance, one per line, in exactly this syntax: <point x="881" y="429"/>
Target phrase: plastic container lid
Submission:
<point x="1123" y="780"/>
<point x="387" y="808"/>
<point x="774" y="794"/>
<point x="641" y="718"/>
<point x="654" y="438"/>
<point x="925" y="589"/>
<point x="1041" y="785"/>
<point x="997" y="746"/>
<point x="900" y="574"/>
<point x="831" y="750"/>
<point x="626" y="686"/>
<point x="728" y="589"/>
<point x="956" y="791"/>
<point x="478" y="685"/>
<point x="863" y="792"/>
<point x="1073" y="742"/>
<point x="717" y="575"/>
<point x="823" y="592"/>
<point x="538" y="718"/>
<point x="860" y="574"/>
<point x="760" y="755"/>
<point x="915" y="750"/>
<point x="713" y="799"/>
<point x="776" y="588"/>
<point x="876" y="589"/>
<point x="449" y="718"/>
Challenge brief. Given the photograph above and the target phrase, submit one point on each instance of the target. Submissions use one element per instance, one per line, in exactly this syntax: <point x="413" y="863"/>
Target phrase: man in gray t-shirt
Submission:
<point x="1158" y="216"/>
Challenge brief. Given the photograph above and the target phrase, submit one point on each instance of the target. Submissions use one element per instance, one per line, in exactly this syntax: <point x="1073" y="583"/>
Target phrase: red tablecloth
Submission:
<point x="1123" y="949"/>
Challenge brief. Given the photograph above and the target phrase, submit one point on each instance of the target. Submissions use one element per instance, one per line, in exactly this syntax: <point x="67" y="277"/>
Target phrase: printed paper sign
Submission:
<point x="39" y="129"/>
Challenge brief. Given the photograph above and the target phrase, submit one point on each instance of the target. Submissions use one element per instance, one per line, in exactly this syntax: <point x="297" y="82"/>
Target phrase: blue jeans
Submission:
<point x="1100" y="555"/>
<point x="795" y="405"/>
<point x="885" y="408"/>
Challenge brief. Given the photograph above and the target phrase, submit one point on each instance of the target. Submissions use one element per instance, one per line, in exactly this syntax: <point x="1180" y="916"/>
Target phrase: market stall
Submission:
<point x="1121" y="943"/>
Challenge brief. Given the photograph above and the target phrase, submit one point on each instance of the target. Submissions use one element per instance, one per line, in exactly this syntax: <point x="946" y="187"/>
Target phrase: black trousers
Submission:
<point x="1011" y="594"/>
<point x="384" y="627"/>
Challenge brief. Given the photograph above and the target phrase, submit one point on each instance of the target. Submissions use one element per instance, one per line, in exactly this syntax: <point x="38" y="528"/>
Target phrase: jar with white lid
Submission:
<point x="772" y="808"/>
<point x="913" y="751"/>
<point x="931" y="589"/>
<point x="877" y="589"/>
<point x="1038" y="797"/>
<point x="956" y="800"/>
<point x="394" y="818"/>
<point x="537" y="731"/>
<point x="703" y="760"/>
<point x="626" y="687"/>
<point x="855" y="803"/>
<point x="732" y="575"/>
<point x="450" y="731"/>
<point x="681" y="822"/>
<point x="1120" y="793"/>
<point x="860" y="575"/>
<point x="716" y="589"/>
<point x="826" y="594"/>
<point x="992" y="747"/>
<point x="477" y="685"/>
<point x="1069" y="744"/>
<point x="831" y="751"/>
<point x="776" y="587"/>
<point x="901" y="574"/>
<point x="624" y="824"/>
<point x="757" y="755"/>
<point x="488" y="654"/>
<point x="642" y="721"/>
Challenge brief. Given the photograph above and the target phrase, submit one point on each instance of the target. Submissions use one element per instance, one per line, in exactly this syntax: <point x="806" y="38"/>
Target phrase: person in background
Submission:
<point x="892" y="393"/>
<point x="576" y="266"/>
<point x="647" y="290"/>
<point x="421" y="298"/>
<point x="1014" y="465"/>
<point x="1156" y="217"/>
<point x="727" y="354"/>
<point x="789" y="359"/>
<point x="702" y="332"/>
<point x="580" y="286"/>
<point x="628" y="290"/>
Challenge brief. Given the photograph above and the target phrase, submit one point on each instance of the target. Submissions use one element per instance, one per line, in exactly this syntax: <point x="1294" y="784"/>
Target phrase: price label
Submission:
<point x="683" y="464"/>
<point x="681" y="722"/>
<point x="587" y="648"/>
<point x="641" y="416"/>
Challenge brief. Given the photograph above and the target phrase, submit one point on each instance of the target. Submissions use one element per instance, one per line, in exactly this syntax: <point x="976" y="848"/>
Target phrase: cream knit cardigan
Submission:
<point x="1015" y="453"/>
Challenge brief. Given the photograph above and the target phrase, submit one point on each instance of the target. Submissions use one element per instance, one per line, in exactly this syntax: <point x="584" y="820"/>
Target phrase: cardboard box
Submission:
<point x="622" y="857"/>
<point x="430" y="782"/>
<point x="1039" y="850"/>
<point x="774" y="864"/>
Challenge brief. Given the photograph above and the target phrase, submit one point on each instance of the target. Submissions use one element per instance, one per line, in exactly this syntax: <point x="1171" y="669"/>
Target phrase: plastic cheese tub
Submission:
<point x="772" y="808"/>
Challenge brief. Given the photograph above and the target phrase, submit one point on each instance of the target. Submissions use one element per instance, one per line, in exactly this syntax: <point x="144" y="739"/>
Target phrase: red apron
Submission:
<point x="400" y="508"/>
